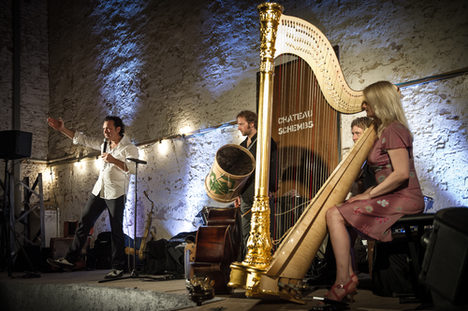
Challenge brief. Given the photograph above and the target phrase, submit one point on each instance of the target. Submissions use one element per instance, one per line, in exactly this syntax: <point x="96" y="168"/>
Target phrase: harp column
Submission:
<point x="258" y="256"/>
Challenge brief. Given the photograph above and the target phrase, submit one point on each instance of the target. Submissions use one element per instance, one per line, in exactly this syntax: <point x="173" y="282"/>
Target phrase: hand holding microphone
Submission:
<point x="106" y="157"/>
<point x="104" y="146"/>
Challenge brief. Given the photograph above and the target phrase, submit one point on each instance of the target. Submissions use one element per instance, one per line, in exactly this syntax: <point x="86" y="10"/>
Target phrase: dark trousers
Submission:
<point x="93" y="209"/>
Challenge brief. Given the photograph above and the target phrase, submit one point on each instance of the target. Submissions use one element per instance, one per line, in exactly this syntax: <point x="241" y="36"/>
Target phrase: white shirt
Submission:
<point x="112" y="182"/>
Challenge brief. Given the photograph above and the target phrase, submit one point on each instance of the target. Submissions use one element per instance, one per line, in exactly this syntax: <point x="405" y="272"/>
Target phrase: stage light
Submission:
<point x="163" y="147"/>
<point x="50" y="174"/>
<point x="185" y="130"/>
<point x="141" y="154"/>
<point x="78" y="165"/>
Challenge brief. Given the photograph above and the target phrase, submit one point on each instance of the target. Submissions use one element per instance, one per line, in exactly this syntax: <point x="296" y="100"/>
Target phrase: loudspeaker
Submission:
<point x="15" y="144"/>
<point x="445" y="265"/>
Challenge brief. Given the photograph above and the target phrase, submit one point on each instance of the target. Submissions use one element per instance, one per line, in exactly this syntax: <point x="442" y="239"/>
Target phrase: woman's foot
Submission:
<point x="339" y="291"/>
<point x="355" y="279"/>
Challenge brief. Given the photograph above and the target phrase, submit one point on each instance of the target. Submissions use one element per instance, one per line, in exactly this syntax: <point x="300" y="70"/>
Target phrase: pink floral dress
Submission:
<point x="374" y="217"/>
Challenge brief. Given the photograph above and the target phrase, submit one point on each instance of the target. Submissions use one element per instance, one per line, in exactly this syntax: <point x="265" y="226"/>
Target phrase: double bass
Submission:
<point x="217" y="245"/>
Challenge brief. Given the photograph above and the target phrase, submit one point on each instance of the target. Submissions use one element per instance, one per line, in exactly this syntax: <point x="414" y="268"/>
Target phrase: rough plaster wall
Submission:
<point x="200" y="56"/>
<point x="187" y="71"/>
<point x="440" y="128"/>
<point x="74" y="93"/>
<point x="199" y="64"/>
<point x="34" y="86"/>
<point x="34" y="62"/>
<point x="6" y="46"/>
<point x="163" y="65"/>
<point x="175" y="178"/>
<point x="402" y="41"/>
<point x="189" y="76"/>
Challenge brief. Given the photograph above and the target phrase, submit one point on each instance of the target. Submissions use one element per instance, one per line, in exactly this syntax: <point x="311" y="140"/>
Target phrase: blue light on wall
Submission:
<point x="226" y="51"/>
<point x="119" y="64"/>
<point x="120" y="60"/>
<point x="203" y="147"/>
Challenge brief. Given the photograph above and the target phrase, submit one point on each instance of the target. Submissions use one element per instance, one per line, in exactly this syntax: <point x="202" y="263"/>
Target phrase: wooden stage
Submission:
<point x="81" y="290"/>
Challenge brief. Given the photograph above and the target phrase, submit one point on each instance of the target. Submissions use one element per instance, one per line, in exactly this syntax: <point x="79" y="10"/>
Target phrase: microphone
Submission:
<point x="137" y="160"/>
<point x="104" y="146"/>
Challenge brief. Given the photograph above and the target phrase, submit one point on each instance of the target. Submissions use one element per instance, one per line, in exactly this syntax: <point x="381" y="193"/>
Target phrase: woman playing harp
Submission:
<point x="397" y="192"/>
<point x="282" y="274"/>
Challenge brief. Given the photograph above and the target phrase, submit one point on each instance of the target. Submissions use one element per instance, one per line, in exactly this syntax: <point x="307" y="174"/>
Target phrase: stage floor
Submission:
<point x="57" y="291"/>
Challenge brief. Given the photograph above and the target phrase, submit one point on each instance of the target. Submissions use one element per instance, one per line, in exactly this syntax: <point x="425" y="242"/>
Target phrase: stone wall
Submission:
<point x="171" y="67"/>
<point x="33" y="84"/>
<point x="34" y="64"/>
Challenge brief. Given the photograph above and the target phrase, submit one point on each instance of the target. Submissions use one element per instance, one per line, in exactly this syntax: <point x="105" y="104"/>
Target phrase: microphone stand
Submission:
<point x="133" y="272"/>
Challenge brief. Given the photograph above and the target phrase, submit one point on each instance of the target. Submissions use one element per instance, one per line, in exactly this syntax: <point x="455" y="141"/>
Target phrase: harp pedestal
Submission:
<point x="258" y="284"/>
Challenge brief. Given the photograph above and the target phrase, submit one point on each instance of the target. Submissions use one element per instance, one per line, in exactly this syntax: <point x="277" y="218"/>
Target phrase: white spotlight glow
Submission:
<point x="185" y="130"/>
<point x="141" y="154"/>
<point x="163" y="147"/>
<point x="50" y="174"/>
<point x="79" y="165"/>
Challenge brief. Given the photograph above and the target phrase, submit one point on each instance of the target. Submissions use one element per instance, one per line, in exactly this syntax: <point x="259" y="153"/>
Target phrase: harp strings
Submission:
<point x="305" y="156"/>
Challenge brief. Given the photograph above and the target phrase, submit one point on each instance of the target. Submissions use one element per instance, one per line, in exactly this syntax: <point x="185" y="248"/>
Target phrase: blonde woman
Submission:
<point x="397" y="191"/>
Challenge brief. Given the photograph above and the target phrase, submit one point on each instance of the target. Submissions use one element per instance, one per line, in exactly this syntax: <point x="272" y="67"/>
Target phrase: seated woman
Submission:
<point x="397" y="192"/>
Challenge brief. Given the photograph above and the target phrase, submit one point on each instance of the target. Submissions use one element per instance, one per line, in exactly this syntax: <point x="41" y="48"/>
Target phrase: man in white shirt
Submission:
<point x="108" y="192"/>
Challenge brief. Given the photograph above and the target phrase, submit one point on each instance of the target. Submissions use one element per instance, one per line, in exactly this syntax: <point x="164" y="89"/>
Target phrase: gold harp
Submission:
<point x="262" y="274"/>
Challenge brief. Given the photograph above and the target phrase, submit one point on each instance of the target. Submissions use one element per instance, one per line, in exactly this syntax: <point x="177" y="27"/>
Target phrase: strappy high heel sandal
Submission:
<point x="349" y="290"/>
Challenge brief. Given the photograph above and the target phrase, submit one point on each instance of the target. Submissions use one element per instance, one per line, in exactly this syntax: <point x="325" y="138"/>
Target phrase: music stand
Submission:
<point x="133" y="272"/>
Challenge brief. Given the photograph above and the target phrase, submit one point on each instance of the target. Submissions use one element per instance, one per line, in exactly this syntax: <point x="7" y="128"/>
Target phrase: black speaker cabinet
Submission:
<point x="445" y="265"/>
<point x="15" y="144"/>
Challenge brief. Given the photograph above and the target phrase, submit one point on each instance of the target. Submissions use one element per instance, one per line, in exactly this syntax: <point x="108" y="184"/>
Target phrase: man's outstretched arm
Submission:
<point x="58" y="125"/>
